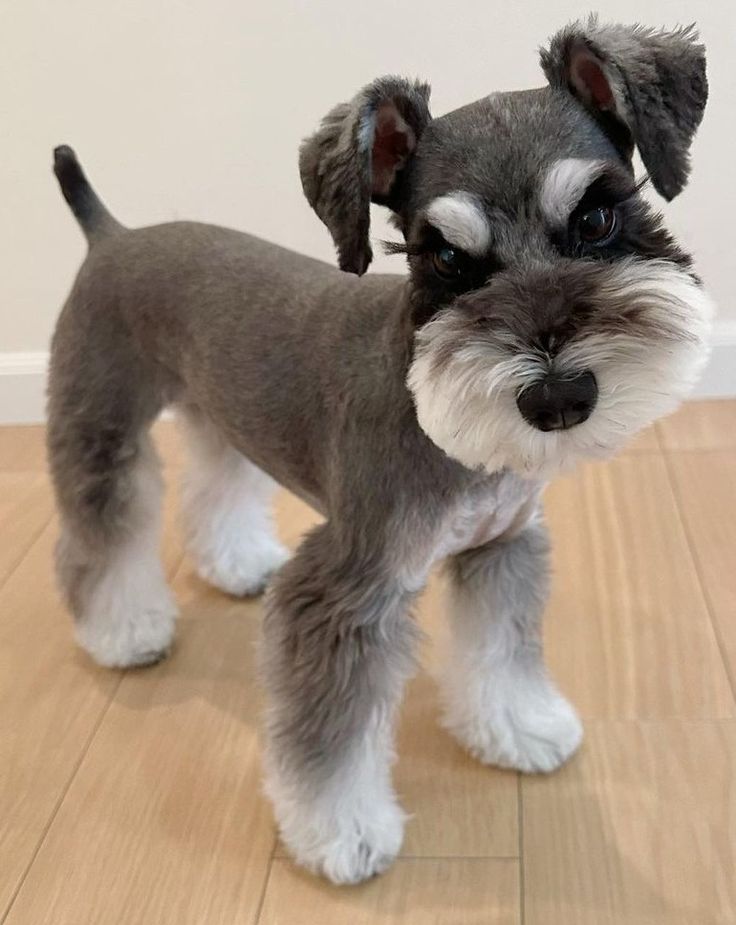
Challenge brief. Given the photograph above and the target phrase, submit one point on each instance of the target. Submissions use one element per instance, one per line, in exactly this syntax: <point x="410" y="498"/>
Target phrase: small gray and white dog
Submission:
<point x="547" y="317"/>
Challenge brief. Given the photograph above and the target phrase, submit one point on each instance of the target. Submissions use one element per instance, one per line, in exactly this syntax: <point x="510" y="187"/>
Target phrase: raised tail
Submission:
<point x="89" y="210"/>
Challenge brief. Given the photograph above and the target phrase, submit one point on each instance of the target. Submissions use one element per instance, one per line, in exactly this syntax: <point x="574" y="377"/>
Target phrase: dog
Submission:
<point x="547" y="317"/>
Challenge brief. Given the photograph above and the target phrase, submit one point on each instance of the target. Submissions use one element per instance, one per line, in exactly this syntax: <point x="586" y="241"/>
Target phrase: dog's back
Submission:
<point x="196" y="314"/>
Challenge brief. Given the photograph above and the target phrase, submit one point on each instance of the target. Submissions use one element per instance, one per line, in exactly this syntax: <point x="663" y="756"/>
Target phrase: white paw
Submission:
<point x="523" y="724"/>
<point x="242" y="568"/>
<point x="128" y="639"/>
<point x="354" y="850"/>
<point x="345" y="848"/>
<point x="346" y="834"/>
<point x="127" y="615"/>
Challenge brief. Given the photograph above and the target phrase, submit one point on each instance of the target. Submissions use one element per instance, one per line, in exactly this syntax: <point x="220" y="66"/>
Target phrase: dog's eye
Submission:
<point x="597" y="225"/>
<point x="446" y="262"/>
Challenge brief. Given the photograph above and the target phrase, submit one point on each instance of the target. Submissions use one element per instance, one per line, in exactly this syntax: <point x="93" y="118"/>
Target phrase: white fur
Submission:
<point x="468" y="408"/>
<point x="513" y="720"/>
<point x="505" y="712"/>
<point x="127" y="614"/>
<point x="226" y="499"/>
<point x="564" y="185"/>
<point x="482" y="514"/>
<point x="462" y="222"/>
<point x="349" y="825"/>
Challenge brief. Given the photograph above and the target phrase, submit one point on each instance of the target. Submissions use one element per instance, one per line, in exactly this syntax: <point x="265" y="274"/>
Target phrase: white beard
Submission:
<point x="467" y="405"/>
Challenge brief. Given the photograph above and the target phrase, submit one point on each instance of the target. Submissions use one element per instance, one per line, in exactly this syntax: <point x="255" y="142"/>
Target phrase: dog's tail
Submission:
<point x="89" y="210"/>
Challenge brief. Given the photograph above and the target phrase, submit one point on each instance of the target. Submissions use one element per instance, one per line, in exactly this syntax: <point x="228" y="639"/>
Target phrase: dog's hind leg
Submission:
<point x="227" y="510"/>
<point x="108" y="487"/>
<point x="338" y="644"/>
<point x="499" y="702"/>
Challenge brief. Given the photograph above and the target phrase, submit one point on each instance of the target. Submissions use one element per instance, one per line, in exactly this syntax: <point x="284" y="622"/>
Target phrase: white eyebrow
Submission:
<point x="462" y="221"/>
<point x="564" y="185"/>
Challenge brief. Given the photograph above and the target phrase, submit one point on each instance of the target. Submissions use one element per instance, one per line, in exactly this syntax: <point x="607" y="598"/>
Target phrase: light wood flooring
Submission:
<point x="133" y="797"/>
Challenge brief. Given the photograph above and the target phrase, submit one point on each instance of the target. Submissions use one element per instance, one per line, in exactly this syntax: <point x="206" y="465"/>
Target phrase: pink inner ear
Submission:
<point x="393" y="142"/>
<point x="590" y="81"/>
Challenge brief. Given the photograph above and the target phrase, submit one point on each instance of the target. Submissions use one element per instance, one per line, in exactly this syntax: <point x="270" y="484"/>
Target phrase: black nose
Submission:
<point x="556" y="403"/>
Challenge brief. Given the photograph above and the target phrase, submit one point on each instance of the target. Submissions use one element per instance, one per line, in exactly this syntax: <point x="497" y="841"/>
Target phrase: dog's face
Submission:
<point x="554" y="315"/>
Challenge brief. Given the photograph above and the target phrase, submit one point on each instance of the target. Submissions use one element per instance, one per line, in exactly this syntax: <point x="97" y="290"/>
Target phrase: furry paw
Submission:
<point x="526" y="725"/>
<point x="346" y="835"/>
<point x="242" y="568"/>
<point x="348" y="849"/>
<point x="130" y="639"/>
<point x="351" y="855"/>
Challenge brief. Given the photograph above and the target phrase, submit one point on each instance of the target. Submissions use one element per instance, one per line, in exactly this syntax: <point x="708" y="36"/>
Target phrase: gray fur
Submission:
<point x="498" y="593"/>
<point x="336" y="164"/>
<point x="503" y="586"/>
<point x="338" y="643"/>
<point x="659" y="86"/>
<point x="303" y="370"/>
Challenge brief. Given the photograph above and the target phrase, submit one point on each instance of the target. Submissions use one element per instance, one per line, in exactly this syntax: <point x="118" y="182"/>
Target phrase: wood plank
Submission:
<point x="645" y="442"/>
<point x="164" y="822"/>
<point x="639" y="829"/>
<point x="22" y="448"/>
<point x="52" y="698"/>
<point x="700" y="425"/>
<point x="25" y="509"/>
<point x="628" y="633"/>
<point x="705" y="484"/>
<point x="412" y="892"/>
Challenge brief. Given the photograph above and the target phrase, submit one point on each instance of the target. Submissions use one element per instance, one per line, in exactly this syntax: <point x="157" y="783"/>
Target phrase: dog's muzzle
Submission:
<point x="557" y="403"/>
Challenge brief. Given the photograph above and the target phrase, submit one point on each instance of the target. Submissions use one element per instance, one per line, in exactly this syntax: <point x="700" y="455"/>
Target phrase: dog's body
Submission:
<point x="420" y="416"/>
<point x="225" y="332"/>
<point x="341" y="375"/>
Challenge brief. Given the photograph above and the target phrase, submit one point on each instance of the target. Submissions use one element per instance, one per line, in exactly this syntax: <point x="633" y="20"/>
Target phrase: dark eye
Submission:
<point x="596" y="225"/>
<point x="446" y="263"/>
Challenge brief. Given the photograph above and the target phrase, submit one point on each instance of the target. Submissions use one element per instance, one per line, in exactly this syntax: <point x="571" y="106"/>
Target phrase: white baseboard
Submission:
<point x="23" y="378"/>
<point x="23" y="387"/>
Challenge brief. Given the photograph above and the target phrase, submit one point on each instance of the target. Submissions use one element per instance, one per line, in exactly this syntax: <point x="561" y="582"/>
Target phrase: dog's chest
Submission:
<point x="487" y="513"/>
<point x="498" y="507"/>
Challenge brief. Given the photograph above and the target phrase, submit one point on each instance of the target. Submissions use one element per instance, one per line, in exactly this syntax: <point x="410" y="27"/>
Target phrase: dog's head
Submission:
<point x="554" y="315"/>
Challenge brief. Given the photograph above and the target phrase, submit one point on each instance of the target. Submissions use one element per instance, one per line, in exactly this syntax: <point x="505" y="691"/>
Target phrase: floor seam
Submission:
<point x="24" y="555"/>
<point x="266" y="882"/>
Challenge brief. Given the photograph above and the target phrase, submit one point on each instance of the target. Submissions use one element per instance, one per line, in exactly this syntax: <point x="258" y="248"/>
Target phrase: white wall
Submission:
<point x="186" y="108"/>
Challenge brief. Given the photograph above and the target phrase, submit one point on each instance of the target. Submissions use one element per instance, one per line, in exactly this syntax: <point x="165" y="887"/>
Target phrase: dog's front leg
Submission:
<point x="499" y="701"/>
<point x="337" y="648"/>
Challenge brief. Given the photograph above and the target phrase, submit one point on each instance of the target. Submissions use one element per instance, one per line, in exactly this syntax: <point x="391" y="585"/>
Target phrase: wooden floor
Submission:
<point x="133" y="797"/>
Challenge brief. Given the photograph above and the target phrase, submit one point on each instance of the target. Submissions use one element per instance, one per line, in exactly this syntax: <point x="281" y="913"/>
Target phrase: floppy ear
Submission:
<point x="357" y="157"/>
<point x="644" y="87"/>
